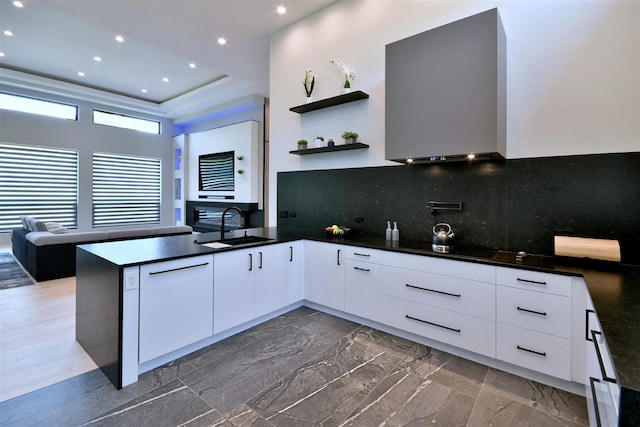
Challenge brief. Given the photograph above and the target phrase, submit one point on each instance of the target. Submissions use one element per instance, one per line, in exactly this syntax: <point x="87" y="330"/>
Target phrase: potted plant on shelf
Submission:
<point x="350" y="137"/>
<point x="318" y="142"/>
<point x="348" y="72"/>
<point x="302" y="144"/>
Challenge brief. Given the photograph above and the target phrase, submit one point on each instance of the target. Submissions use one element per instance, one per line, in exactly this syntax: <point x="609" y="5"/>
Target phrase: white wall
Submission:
<point x="573" y="70"/>
<point x="241" y="138"/>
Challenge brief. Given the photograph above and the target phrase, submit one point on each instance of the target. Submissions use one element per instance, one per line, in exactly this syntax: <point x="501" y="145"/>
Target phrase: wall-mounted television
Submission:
<point x="216" y="171"/>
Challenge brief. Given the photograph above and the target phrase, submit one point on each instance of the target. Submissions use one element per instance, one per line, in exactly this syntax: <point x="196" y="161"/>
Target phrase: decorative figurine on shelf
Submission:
<point x="309" y="83"/>
<point x="350" y="137"/>
<point x="318" y="142"/>
<point x="330" y="143"/>
<point x="349" y="74"/>
<point x="302" y="144"/>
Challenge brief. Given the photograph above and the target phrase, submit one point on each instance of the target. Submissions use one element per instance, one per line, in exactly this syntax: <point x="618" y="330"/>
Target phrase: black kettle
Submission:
<point x="442" y="238"/>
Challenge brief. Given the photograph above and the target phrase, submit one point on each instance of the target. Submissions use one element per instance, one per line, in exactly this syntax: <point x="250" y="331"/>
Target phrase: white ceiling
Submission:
<point x="56" y="39"/>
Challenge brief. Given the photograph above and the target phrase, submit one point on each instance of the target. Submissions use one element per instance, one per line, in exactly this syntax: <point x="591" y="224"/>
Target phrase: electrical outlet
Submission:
<point x="292" y="214"/>
<point x="284" y="214"/>
<point x="130" y="281"/>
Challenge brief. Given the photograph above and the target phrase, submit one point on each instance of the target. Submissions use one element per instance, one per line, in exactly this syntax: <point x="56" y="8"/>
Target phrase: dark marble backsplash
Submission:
<point x="514" y="204"/>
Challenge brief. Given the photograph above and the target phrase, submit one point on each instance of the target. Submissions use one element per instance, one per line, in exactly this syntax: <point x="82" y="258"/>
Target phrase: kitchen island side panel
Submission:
<point x="99" y="312"/>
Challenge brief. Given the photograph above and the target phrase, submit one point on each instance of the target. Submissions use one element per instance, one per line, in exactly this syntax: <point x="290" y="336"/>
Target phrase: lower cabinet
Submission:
<point x="363" y="282"/>
<point x="601" y="385"/>
<point x="176" y="305"/>
<point x="324" y="274"/>
<point x="467" y="332"/>
<point x="248" y="283"/>
<point x="295" y="279"/>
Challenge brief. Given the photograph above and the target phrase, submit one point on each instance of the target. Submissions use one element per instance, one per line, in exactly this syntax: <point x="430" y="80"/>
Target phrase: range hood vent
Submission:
<point x="446" y="93"/>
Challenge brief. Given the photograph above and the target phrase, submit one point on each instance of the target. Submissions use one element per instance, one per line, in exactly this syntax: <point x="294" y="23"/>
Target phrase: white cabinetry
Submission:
<point x="248" y="283"/>
<point x="601" y="386"/>
<point x="270" y="278"/>
<point x="324" y="274"/>
<point x="295" y="279"/>
<point x="176" y="305"/>
<point x="448" y="301"/>
<point x="363" y="282"/>
<point x="534" y="321"/>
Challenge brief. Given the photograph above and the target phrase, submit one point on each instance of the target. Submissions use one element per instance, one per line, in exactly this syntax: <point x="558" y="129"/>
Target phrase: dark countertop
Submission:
<point x="614" y="288"/>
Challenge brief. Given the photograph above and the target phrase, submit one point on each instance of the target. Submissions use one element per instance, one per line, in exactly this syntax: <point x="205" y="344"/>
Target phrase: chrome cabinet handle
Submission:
<point x="153" y="273"/>
<point x="431" y="323"/>
<point x="433" y="290"/>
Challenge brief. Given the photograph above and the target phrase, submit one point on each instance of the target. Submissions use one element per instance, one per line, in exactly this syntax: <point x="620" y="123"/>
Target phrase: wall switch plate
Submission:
<point x="292" y="214"/>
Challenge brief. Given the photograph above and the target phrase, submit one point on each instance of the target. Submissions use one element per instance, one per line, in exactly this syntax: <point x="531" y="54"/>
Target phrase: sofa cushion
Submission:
<point x="32" y="224"/>
<point x="135" y="232"/>
<point x="173" y="229"/>
<point x="42" y="238"/>
<point x="55" y="228"/>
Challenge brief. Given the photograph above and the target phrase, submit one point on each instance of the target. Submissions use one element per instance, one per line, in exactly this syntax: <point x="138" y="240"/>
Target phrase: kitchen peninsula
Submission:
<point x="143" y="303"/>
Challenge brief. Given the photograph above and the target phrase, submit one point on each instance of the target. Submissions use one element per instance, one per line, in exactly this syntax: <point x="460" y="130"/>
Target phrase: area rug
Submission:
<point x="11" y="273"/>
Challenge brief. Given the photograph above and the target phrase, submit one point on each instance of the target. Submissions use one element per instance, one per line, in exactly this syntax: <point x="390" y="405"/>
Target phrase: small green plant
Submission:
<point x="350" y="135"/>
<point x="240" y="171"/>
<point x="240" y="158"/>
<point x="302" y="144"/>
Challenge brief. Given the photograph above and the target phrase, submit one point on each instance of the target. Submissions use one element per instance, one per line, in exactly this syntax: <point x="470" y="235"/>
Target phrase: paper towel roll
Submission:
<point x="583" y="247"/>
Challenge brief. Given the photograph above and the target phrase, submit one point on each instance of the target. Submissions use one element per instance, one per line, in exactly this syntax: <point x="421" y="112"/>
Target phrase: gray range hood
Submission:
<point x="446" y="92"/>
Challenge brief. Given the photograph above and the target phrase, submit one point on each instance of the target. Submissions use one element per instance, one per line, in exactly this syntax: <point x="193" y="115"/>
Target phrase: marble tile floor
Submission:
<point x="305" y="368"/>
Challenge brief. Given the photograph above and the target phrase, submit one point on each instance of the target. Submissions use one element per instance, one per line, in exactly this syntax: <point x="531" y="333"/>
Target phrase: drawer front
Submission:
<point x="540" y="352"/>
<point x="362" y="254"/>
<point x="470" y="333"/>
<point x="450" y="293"/>
<point x="362" y="289"/>
<point x="534" y="281"/>
<point x="430" y="264"/>
<point x="547" y="313"/>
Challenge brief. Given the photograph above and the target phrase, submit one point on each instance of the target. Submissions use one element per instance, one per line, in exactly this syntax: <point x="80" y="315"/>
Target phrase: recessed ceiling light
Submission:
<point x="192" y="65"/>
<point x="222" y="40"/>
<point x="97" y="59"/>
<point x="80" y="73"/>
<point x="8" y="33"/>
<point x="281" y="10"/>
<point x="119" y="39"/>
<point x="165" y="79"/>
<point x="143" y="90"/>
<point x="18" y="4"/>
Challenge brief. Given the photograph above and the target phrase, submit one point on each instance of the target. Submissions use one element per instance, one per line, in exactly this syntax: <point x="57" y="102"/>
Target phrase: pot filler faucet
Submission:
<point x="223" y="214"/>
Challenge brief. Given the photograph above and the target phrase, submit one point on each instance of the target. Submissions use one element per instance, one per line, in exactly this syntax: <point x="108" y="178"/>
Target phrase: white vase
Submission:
<point x="318" y="143"/>
<point x="346" y="90"/>
<point x="309" y="99"/>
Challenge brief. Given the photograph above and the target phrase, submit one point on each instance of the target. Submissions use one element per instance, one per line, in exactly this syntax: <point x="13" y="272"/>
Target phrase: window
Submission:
<point x="38" y="106"/>
<point x="125" y="122"/>
<point x="126" y="189"/>
<point x="39" y="182"/>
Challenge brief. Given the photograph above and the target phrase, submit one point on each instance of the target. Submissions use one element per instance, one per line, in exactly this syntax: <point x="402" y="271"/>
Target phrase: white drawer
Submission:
<point x="429" y="264"/>
<point x="538" y="311"/>
<point x="363" y="254"/>
<point x="362" y="289"/>
<point x="534" y="281"/>
<point x="540" y="352"/>
<point x="450" y="293"/>
<point x="468" y="332"/>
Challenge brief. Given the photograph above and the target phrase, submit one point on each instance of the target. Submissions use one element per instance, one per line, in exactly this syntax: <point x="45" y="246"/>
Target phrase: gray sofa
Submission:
<point x="48" y="256"/>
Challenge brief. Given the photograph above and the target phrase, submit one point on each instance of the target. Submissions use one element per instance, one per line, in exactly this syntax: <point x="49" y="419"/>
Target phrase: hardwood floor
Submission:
<point x="37" y="337"/>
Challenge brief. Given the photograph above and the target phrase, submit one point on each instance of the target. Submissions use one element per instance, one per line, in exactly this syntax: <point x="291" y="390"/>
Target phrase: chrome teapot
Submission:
<point x="442" y="238"/>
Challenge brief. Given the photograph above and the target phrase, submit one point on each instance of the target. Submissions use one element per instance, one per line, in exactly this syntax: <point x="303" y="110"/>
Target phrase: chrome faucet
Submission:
<point x="223" y="214"/>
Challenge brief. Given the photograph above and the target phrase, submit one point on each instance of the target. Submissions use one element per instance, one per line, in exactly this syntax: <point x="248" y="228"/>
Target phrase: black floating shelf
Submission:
<point x="330" y="102"/>
<point x="343" y="147"/>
